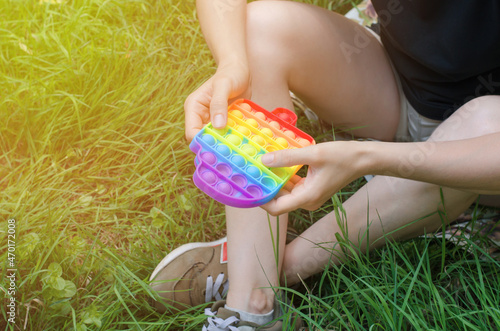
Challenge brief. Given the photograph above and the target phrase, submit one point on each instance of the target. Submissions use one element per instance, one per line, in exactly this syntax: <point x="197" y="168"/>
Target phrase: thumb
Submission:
<point x="219" y="104"/>
<point x="288" y="157"/>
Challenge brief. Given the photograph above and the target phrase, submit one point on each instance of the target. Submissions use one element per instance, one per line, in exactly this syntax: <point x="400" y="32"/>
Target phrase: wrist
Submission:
<point x="354" y="157"/>
<point x="233" y="60"/>
<point x="366" y="158"/>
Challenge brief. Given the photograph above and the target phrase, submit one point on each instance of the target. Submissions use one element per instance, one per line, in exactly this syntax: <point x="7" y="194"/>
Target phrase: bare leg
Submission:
<point x="253" y="265"/>
<point x="296" y="46"/>
<point x="394" y="204"/>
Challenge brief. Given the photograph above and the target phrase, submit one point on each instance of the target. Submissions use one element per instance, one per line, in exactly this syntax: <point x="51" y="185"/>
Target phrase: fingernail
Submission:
<point x="218" y="121"/>
<point x="267" y="158"/>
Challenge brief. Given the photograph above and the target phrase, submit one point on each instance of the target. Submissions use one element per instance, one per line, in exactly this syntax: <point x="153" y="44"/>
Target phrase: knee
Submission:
<point x="267" y="27"/>
<point x="483" y="108"/>
<point x="266" y="18"/>
<point x="483" y="113"/>
<point x="477" y="117"/>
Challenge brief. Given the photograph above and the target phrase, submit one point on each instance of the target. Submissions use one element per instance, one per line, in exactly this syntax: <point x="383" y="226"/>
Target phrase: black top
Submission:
<point x="447" y="52"/>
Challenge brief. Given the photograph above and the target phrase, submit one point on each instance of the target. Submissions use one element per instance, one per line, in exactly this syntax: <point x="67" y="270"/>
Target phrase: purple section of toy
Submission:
<point x="225" y="162"/>
<point x="224" y="174"/>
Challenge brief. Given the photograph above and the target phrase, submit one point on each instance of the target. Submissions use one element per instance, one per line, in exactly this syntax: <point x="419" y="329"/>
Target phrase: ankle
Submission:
<point x="259" y="301"/>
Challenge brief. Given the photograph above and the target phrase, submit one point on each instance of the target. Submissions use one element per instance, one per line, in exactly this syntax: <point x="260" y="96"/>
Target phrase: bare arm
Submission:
<point x="223" y="23"/>
<point x="471" y="165"/>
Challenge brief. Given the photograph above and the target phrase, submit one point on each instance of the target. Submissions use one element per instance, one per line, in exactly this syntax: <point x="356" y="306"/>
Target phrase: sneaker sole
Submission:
<point x="181" y="250"/>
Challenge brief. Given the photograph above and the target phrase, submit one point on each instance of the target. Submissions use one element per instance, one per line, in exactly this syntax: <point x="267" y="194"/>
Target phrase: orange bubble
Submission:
<point x="245" y="106"/>
<point x="304" y="142"/>
<point x="260" y="115"/>
<point x="275" y="124"/>
<point x="290" y="134"/>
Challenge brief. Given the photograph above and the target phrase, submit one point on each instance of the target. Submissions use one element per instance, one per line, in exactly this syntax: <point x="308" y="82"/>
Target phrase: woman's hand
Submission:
<point x="210" y="101"/>
<point x="332" y="166"/>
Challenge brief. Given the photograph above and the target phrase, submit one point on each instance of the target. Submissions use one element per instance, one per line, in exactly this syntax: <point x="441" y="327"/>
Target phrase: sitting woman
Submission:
<point x="426" y="89"/>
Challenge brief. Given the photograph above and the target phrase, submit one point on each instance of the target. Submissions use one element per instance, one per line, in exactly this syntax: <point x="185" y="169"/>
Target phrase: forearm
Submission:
<point x="223" y="23"/>
<point x="470" y="164"/>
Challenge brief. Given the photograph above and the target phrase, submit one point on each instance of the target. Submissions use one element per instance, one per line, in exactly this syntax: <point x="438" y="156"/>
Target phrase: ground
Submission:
<point x="95" y="179"/>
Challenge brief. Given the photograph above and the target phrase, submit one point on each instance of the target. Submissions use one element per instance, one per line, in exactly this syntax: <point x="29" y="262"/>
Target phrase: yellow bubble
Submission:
<point x="249" y="149"/>
<point x="244" y="131"/>
<point x="230" y="122"/>
<point x="268" y="132"/>
<point x="237" y="113"/>
<point x="253" y="122"/>
<point x="221" y="132"/>
<point x="259" y="140"/>
<point x="280" y="172"/>
<point x="282" y="141"/>
<point x="271" y="148"/>
<point x="234" y="139"/>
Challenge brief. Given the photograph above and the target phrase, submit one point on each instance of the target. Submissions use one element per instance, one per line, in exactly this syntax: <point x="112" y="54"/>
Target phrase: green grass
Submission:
<point x="96" y="172"/>
<point x="419" y="284"/>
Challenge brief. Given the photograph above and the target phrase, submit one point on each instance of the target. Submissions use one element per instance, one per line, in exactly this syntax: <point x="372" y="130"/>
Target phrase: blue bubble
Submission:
<point x="254" y="171"/>
<point x="208" y="139"/>
<point x="268" y="182"/>
<point x="238" y="160"/>
<point x="224" y="150"/>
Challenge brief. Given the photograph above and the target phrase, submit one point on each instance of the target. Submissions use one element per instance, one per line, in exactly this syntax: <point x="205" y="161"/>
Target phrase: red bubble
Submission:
<point x="284" y="116"/>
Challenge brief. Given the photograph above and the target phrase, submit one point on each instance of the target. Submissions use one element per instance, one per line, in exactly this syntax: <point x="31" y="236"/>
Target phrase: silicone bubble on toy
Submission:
<point x="228" y="165"/>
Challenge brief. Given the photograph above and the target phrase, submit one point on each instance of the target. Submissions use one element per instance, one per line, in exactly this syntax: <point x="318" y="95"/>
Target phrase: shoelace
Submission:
<point x="212" y="290"/>
<point x="218" y="324"/>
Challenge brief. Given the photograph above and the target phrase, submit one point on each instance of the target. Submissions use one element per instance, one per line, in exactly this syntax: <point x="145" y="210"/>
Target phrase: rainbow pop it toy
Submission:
<point x="228" y="166"/>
